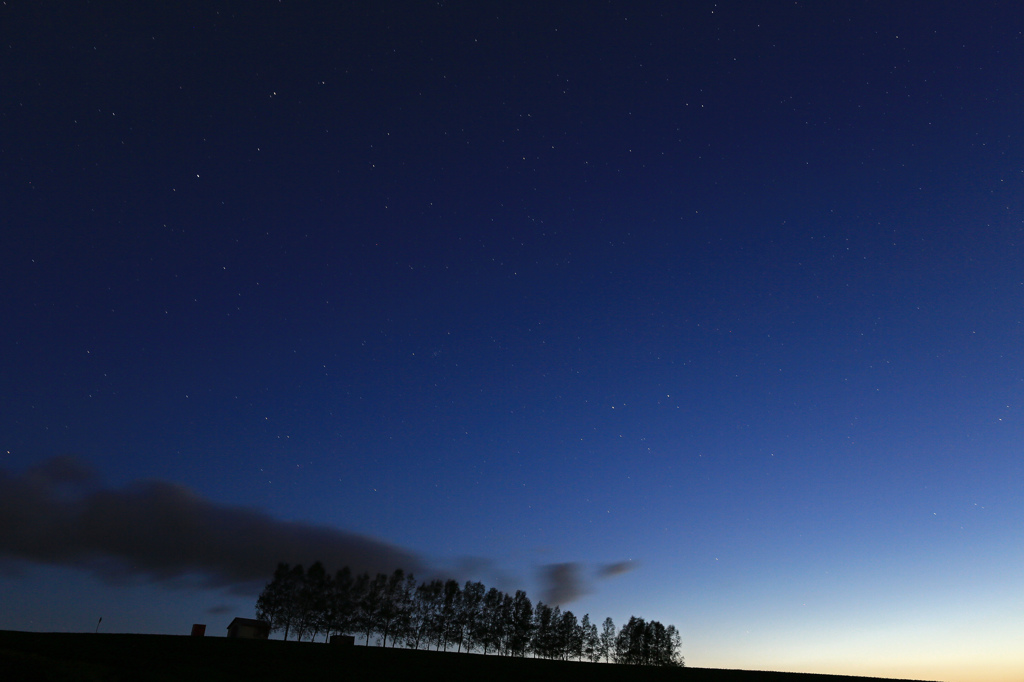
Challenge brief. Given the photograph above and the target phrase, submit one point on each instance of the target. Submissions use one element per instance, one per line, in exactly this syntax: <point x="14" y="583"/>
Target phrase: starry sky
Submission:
<point x="706" y="312"/>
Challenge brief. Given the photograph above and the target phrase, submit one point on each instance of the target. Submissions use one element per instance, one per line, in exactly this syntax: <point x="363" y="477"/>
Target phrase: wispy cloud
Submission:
<point x="565" y="582"/>
<point x="617" y="568"/>
<point x="562" y="583"/>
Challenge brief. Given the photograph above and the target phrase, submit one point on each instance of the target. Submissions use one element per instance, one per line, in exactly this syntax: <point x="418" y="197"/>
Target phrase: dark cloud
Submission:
<point x="618" y="568"/>
<point x="61" y="469"/>
<point x="561" y="583"/>
<point x="221" y="610"/>
<point x="158" y="530"/>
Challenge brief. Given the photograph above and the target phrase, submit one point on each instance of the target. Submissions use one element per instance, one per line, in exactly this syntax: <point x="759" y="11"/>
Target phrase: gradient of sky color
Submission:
<point x="733" y="292"/>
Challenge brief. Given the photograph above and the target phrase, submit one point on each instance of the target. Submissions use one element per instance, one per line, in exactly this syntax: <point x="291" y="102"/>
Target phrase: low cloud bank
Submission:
<point x="58" y="514"/>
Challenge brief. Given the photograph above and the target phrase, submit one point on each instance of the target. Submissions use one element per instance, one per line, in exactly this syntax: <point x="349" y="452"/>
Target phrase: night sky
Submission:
<point x="709" y="313"/>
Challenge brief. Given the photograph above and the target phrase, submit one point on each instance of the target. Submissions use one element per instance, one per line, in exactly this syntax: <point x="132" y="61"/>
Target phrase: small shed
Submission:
<point x="248" y="628"/>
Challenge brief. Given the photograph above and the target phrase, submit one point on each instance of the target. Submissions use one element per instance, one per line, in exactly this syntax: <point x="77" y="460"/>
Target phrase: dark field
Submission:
<point x="72" y="656"/>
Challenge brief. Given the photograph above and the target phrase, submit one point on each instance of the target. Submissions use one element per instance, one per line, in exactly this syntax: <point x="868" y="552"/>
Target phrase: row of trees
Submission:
<point x="397" y="610"/>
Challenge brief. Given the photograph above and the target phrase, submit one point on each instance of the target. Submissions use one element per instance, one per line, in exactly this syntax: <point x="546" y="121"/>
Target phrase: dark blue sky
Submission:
<point x="732" y="291"/>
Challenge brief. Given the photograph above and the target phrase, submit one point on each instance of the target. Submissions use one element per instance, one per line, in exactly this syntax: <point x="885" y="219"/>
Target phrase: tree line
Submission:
<point x="396" y="610"/>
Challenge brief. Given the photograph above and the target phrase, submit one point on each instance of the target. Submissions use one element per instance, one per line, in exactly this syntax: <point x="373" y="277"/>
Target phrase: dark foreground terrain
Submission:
<point x="72" y="656"/>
